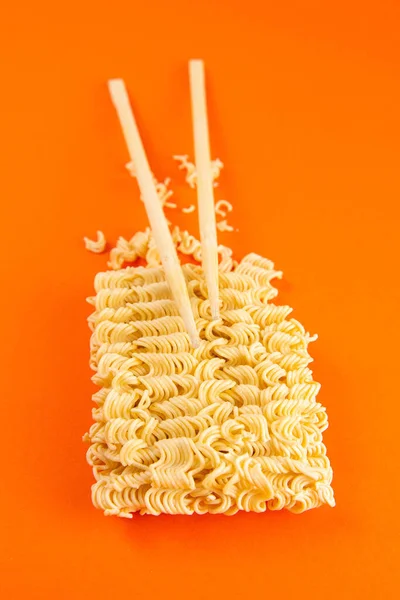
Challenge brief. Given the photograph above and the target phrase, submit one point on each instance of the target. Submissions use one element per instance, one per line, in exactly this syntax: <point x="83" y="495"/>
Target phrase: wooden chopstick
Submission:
<point x="155" y="213"/>
<point x="205" y="193"/>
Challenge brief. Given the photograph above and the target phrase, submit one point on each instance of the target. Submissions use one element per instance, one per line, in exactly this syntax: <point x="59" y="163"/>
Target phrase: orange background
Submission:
<point x="304" y="110"/>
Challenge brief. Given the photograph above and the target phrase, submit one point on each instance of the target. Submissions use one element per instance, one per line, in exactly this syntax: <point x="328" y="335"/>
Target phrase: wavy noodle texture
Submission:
<point x="232" y="425"/>
<point x="224" y="226"/>
<point x="162" y="187"/>
<point x="191" y="172"/>
<point x="97" y="246"/>
<point x="222" y="208"/>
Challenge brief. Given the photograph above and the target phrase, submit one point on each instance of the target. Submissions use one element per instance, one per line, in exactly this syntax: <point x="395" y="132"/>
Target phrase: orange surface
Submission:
<point x="304" y="109"/>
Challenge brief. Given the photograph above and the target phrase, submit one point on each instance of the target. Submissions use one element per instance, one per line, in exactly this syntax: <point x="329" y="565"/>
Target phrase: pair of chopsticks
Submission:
<point x="205" y="196"/>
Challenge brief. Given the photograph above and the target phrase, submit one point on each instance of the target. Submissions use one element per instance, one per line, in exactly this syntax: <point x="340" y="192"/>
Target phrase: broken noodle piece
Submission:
<point x="190" y="168"/>
<point x="97" y="246"/>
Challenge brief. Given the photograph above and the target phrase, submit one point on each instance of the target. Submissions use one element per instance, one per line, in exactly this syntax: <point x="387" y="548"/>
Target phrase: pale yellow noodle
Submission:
<point x="223" y="207"/>
<point x="224" y="226"/>
<point x="232" y="425"/>
<point x="189" y="209"/>
<point x="191" y="173"/>
<point x="98" y="246"/>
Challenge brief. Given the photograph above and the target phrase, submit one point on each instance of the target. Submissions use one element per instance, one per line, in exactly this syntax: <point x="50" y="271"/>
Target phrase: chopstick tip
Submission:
<point x="195" y="340"/>
<point x="215" y="313"/>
